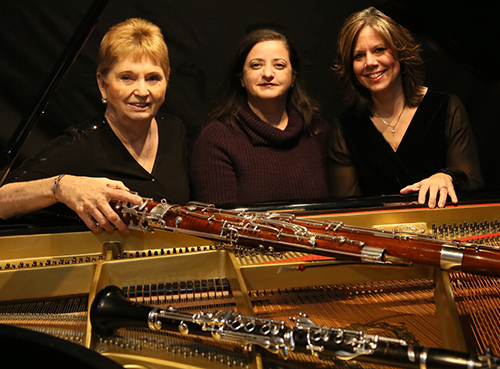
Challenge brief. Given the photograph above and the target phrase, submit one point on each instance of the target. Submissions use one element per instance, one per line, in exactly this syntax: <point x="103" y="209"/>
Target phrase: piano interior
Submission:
<point x="48" y="281"/>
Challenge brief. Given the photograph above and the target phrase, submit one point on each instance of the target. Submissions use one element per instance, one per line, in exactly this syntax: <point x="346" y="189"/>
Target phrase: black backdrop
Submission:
<point x="459" y="41"/>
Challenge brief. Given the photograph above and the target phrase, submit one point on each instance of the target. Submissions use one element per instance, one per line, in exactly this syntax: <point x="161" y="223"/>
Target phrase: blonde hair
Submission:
<point x="136" y="37"/>
<point x="402" y="44"/>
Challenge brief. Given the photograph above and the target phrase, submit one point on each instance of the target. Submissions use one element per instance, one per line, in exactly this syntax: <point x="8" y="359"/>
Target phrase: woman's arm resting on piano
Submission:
<point x="88" y="197"/>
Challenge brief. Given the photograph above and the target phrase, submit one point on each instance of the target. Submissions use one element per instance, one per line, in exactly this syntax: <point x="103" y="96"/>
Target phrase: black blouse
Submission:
<point x="438" y="139"/>
<point x="92" y="149"/>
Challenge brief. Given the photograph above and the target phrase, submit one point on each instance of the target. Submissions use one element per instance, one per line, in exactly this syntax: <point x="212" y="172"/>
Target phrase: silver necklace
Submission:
<point x="392" y="126"/>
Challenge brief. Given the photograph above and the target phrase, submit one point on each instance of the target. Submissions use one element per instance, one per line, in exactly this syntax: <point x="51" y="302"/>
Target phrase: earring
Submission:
<point x="104" y="101"/>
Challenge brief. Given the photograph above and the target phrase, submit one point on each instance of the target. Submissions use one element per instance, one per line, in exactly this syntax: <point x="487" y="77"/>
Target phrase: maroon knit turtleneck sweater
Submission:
<point x="255" y="162"/>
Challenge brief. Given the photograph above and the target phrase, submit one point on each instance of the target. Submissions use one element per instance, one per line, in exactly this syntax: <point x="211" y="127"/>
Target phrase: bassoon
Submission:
<point x="110" y="310"/>
<point x="272" y="233"/>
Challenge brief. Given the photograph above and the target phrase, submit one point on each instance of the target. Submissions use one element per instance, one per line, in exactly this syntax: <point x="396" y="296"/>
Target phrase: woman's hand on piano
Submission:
<point x="90" y="197"/>
<point x="438" y="186"/>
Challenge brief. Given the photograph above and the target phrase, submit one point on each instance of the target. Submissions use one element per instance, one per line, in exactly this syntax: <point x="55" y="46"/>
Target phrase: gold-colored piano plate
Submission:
<point x="192" y="266"/>
<point x="212" y="264"/>
<point x="150" y="362"/>
<point x="138" y="240"/>
<point x="47" y="282"/>
<point x="88" y="278"/>
<point x="48" y="245"/>
<point x="449" y="215"/>
<point x="22" y="252"/>
<point x="65" y="244"/>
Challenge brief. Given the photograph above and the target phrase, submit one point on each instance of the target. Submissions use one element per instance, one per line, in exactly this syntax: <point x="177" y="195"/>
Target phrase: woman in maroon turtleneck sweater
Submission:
<point x="265" y="140"/>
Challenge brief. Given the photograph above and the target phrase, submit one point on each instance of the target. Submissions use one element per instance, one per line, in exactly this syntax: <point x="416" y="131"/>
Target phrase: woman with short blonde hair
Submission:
<point x="103" y="159"/>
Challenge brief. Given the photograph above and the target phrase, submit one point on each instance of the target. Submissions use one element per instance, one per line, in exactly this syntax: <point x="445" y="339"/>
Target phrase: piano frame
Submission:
<point x="53" y="265"/>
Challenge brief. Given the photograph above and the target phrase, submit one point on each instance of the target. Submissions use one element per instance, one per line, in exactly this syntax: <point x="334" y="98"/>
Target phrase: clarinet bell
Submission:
<point x="111" y="310"/>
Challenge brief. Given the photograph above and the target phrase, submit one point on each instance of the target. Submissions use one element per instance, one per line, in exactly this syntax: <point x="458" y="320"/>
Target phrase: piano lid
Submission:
<point x="11" y="150"/>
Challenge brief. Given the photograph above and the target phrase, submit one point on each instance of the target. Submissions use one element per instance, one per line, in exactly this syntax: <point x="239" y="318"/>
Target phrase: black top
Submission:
<point x="92" y="149"/>
<point x="438" y="139"/>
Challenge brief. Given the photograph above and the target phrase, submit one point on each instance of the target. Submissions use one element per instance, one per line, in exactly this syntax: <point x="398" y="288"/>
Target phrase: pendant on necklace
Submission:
<point x="393" y="126"/>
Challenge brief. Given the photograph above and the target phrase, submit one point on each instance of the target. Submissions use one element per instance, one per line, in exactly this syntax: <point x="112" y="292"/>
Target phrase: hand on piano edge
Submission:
<point x="438" y="185"/>
<point x="90" y="197"/>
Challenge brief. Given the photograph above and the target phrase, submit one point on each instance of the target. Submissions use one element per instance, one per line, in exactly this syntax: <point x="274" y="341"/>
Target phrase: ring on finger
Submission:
<point x="443" y="186"/>
<point x="93" y="219"/>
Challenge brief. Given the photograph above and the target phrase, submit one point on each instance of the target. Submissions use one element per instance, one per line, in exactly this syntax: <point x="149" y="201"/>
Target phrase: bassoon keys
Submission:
<point x="272" y="233"/>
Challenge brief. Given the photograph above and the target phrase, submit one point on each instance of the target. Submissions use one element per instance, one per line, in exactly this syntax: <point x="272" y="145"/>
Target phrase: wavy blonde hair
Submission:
<point x="137" y="37"/>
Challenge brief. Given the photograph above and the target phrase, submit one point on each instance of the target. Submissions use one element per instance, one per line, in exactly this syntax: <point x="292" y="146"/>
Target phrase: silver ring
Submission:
<point x="92" y="219"/>
<point x="443" y="186"/>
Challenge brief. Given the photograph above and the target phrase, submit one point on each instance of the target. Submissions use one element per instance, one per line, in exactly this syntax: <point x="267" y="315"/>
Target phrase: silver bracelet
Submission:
<point x="56" y="182"/>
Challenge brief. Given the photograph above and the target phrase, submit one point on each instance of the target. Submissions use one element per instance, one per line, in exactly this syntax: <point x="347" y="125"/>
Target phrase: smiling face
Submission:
<point x="267" y="73"/>
<point x="374" y="64"/>
<point x="134" y="90"/>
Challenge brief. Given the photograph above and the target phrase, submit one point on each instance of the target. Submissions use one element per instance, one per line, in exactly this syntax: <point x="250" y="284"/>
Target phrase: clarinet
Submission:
<point x="111" y="310"/>
<point x="273" y="233"/>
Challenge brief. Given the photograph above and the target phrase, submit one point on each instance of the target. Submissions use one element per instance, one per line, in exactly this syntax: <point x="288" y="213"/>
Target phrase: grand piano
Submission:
<point x="51" y="269"/>
<point x="48" y="282"/>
